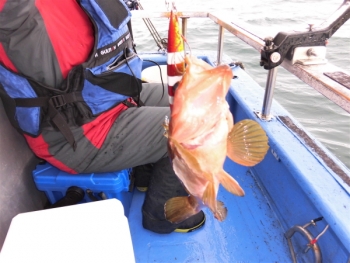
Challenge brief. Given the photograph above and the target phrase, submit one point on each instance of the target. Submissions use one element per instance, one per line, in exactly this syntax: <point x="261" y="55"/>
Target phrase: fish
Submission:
<point x="201" y="134"/>
<point x="175" y="55"/>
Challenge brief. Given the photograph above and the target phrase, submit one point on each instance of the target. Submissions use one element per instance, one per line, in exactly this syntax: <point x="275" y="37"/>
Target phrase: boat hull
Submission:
<point x="298" y="181"/>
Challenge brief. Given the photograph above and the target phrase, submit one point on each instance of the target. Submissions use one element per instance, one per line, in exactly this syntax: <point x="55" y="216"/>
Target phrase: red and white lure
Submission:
<point x="176" y="55"/>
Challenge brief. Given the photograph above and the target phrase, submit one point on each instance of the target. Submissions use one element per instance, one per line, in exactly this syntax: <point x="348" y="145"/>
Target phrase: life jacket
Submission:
<point x="112" y="75"/>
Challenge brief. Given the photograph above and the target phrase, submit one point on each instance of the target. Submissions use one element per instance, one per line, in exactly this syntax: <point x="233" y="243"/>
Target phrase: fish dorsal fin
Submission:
<point x="247" y="143"/>
<point x="230" y="184"/>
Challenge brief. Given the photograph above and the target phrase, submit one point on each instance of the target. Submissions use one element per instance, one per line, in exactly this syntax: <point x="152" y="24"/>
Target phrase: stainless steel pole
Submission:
<point x="270" y="86"/>
<point x="220" y="45"/>
<point x="184" y="30"/>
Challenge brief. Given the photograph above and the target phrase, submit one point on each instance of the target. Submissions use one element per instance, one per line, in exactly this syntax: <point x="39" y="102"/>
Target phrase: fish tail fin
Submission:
<point x="247" y="143"/>
<point x="217" y="207"/>
<point x="230" y="184"/>
<point x="221" y="211"/>
<point x="209" y="197"/>
<point x="178" y="209"/>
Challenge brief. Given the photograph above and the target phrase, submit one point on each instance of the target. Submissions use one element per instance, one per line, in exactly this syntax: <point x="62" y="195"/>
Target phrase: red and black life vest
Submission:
<point x="40" y="88"/>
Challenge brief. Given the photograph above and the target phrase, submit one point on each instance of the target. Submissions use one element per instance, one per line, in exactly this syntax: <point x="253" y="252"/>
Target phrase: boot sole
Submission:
<point x="187" y="230"/>
<point x="142" y="189"/>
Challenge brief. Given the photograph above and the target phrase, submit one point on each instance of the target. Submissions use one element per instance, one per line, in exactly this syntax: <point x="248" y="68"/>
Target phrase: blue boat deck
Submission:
<point x="250" y="233"/>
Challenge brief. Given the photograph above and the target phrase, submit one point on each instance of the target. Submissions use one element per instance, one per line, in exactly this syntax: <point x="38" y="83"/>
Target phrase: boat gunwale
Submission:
<point x="312" y="75"/>
<point x="313" y="177"/>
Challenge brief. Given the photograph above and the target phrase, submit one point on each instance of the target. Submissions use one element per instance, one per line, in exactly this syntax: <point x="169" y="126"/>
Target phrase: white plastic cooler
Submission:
<point x="90" y="232"/>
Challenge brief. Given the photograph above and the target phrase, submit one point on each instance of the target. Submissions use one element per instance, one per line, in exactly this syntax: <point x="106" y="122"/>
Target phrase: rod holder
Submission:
<point x="270" y="86"/>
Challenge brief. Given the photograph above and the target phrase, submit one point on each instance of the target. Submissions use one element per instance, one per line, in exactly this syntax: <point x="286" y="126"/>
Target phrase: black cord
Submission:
<point x="161" y="77"/>
<point x="132" y="72"/>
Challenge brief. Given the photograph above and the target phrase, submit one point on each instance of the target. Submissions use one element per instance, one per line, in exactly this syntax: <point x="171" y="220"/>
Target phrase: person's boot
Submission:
<point x="164" y="185"/>
<point x="142" y="175"/>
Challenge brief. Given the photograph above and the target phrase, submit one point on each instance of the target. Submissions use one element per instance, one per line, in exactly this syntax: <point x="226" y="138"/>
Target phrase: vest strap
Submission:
<point x="61" y="124"/>
<point x="53" y="104"/>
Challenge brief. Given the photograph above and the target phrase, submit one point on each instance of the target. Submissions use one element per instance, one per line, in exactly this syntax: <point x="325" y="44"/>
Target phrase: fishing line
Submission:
<point x="181" y="71"/>
<point x="187" y="44"/>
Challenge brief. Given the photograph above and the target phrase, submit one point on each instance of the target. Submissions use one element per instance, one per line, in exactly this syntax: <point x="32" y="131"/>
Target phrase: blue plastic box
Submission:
<point x="55" y="183"/>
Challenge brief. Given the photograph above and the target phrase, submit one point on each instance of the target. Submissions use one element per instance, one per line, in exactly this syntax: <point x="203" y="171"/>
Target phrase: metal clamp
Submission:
<point x="283" y="45"/>
<point x="309" y="55"/>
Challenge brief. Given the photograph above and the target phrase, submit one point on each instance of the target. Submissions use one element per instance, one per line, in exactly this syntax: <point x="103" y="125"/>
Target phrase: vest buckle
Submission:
<point x="58" y="101"/>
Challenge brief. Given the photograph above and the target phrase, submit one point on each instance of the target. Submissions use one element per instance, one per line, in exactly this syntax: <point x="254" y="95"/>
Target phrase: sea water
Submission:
<point x="323" y="119"/>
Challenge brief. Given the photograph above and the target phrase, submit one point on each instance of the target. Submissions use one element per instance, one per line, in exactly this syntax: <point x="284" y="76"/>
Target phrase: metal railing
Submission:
<point x="313" y="74"/>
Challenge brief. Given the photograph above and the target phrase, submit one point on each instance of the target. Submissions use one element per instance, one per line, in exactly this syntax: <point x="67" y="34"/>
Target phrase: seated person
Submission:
<point x="50" y="55"/>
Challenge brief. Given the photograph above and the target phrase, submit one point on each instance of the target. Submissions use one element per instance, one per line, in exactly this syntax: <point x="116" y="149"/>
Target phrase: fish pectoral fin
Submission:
<point x="230" y="184"/>
<point x="221" y="211"/>
<point x="247" y="143"/>
<point x="178" y="209"/>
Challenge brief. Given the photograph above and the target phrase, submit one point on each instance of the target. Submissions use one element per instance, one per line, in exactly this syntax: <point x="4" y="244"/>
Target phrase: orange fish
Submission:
<point x="201" y="134"/>
<point x="176" y="55"/>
